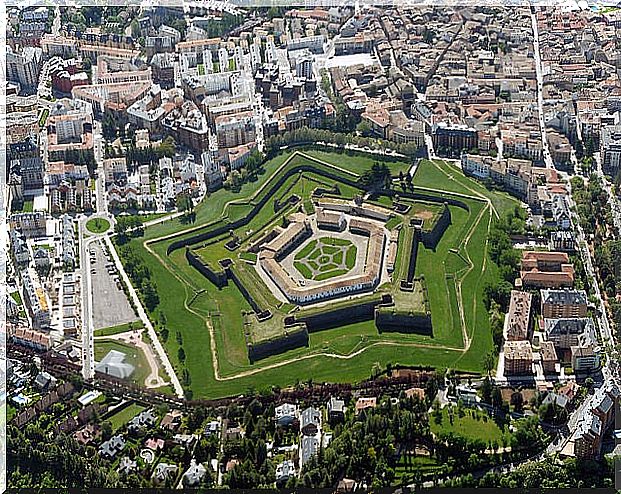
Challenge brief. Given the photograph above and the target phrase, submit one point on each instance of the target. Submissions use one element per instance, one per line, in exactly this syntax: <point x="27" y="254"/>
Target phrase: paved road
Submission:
<point x="56" y="23"/>
<point x="88" y="343"/>
<point x="147" y="323"/>
<point x="615" y="204"/>
<point x="100" y="183"/>
<point x="539" y="69"/>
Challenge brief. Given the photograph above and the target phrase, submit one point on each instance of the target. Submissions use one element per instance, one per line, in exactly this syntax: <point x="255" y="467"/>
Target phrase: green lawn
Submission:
<point x="475" y="424"/>
<point x="331" y="274"/>
<point x="357" y="162"/>
<point x="442" y="175"/>
<point x="350" y="257"/>
<point x="178" y="284"/>
<point x="304" y="270"/>
<point x="28" y="206"/>
<point x="15" y="296"/>
<point x="97" y="225"/>
<point x="121" y="328"/>
<point x="306" y="250"/>
<point x="121" y="418"/>
<point x="423" y="464"/>
<point x="133" y="356"/>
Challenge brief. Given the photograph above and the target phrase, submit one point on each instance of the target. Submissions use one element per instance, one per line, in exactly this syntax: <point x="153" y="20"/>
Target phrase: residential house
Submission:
<point x="112" y="447"/>
<point x="126" y="465"/>
<point x="286" y="414"/>
<point x="213" y="427"/>
<point x="44" y="381"/>
<point x="144" y="420"/>
<point x="309" y="447"/>
<point x="87" y="434"/>
<point x="172" y="420"/>
<point x="194" y="475"/>
<point x="363" y="403"/>
<point x="310" y="421"/>
<point x="164" y="472"/>
<point x="284" y="471"/>
<point x="336" y="409"/>
<point x="556" y="400"/>
<point x="154" y="444"/>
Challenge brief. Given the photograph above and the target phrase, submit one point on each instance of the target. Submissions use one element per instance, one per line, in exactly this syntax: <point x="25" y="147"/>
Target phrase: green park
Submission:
<point x="206" y="327"/>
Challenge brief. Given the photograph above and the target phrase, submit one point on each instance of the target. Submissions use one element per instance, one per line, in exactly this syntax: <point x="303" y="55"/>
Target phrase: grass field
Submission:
<point x="121" y="328"/>
<point x="133" y="356"/>
<point x="97" y="225"/>
<point x="422" y="464"/>
<point x="475" y="424"/>
<point x="346" y="353"/>
<point x="325" y="258"/>
<point x="121" y="418"/>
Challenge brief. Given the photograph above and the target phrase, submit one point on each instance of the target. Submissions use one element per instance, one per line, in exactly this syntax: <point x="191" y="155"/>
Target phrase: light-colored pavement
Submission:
<point x="100" y="183"/>
<point x="539" y="69"/>
<point x="157" y="345"/>
<point x="110" y="305"/>
<point x="88" y="344"/>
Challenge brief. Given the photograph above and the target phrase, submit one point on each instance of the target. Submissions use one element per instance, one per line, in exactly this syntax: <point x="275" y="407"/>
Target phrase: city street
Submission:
<point x="539" y="68"/>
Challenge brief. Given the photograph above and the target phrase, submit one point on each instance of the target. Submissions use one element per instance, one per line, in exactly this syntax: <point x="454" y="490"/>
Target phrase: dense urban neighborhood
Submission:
<point x="346" y="247"/>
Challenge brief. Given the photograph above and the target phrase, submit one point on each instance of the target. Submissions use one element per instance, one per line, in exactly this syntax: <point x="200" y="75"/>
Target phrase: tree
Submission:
<point x="517" y="401"/>
<point x="496" y="397"/>
<point x="106" y="430"/>
<point x="184" y="202"/>
<point x="149" y="292"/>
<point x="167" y="148"/>
<point x="486" y="390"/>
<point x="488" y="363"/>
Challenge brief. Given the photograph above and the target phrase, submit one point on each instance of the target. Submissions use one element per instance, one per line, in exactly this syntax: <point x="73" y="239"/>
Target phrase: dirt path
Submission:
<point x="213" y="345"/>
<point x="134" y="338"/>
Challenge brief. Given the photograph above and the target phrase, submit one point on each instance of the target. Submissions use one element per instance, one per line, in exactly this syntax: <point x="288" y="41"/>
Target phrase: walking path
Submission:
<point x="157" y="345"/>
<point x="213" y="345"/>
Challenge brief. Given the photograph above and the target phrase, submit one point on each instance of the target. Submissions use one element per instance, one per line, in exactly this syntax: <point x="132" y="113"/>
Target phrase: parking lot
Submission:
<point x="110" y="305"/>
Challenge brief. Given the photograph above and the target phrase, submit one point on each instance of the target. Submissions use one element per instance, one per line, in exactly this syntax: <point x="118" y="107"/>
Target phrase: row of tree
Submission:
<point x="140" y="276"/>
<point x="309" y="136"/>
<point x="496" y="296"/>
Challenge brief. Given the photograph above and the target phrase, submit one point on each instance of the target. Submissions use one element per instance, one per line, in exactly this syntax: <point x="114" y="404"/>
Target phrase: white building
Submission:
<point x="24" y="66"/>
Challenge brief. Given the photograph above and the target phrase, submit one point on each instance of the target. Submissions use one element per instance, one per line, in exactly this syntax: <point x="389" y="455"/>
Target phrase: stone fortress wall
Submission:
<point x="296" y="330"/>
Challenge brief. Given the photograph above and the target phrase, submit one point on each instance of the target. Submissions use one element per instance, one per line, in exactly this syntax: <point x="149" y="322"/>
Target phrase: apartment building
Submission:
<point x="610" y="148"/>
<point x="592" y="426"/>
<point x="546" y="270"/>
<point x="565" y="333"/>
<point x="518" y="358"/>
<point x="24" y="66"/>
<point x="548" y="357"/>
<point x="557" y="304"/>
<point x="584" y="359"/>
<point x="236" y="129"/>
<point x="519" y="320"/>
